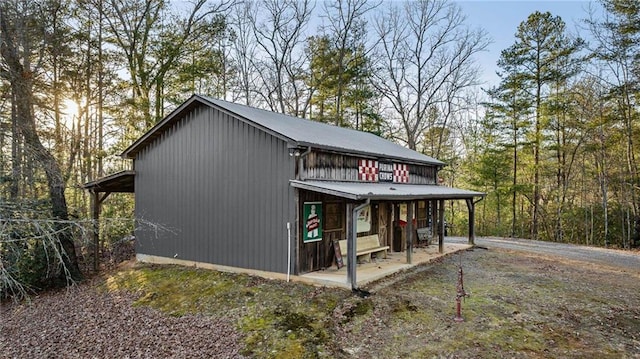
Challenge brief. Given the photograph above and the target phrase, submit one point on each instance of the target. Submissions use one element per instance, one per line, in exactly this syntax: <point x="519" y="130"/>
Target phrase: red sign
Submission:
<point x="368" y="170"/>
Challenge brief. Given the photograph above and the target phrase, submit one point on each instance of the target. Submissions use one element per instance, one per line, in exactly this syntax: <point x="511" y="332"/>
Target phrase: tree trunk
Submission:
<point x="47" y="161"/>
<point x="601" y="158"/>
<point x="515" y="177"/>
<point x="536" y="160"/>
<point x="21" y="86"/>
<point x="16" y="153"/>
<point x="100" y="171"/>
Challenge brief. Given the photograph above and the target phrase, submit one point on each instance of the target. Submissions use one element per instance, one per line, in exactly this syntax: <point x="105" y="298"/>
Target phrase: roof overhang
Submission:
<point x="118" y="182"/>
<point x="153" y="133"/>
<point x="385" y="191"/>
<point x="364" y="154"/>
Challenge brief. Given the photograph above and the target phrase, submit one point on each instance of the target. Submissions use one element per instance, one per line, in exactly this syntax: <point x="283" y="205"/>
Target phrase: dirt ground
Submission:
<point x="519" y="306"/>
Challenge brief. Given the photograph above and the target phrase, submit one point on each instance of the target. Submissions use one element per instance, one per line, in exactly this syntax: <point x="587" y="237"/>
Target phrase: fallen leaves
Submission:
<point x="85" y="323"/>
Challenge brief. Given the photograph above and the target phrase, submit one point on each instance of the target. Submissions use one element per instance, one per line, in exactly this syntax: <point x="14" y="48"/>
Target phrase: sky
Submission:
<point x="501" y="19"/>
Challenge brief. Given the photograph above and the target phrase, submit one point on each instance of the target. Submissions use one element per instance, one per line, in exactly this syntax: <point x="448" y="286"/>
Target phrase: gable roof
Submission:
<point x="296" y="131"/>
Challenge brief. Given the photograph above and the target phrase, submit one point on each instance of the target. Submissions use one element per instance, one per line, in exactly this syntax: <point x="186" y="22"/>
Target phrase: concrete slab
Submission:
<point x="379" y="268"/>
<point x="333" y="277"/>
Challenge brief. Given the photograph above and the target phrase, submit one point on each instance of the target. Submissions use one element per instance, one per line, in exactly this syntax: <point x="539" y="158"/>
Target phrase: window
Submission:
<point x="333" y="216"/>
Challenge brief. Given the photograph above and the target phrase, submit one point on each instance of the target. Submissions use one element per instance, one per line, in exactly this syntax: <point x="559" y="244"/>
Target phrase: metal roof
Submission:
<point x="385" y="191"/>
<point x="298" y="131"/>
<point x="118" y="182"/>
<point x="321" y="135"/>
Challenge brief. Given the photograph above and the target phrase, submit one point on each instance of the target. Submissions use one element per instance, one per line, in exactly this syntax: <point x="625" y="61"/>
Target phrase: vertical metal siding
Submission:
<point x="222" y="187"/>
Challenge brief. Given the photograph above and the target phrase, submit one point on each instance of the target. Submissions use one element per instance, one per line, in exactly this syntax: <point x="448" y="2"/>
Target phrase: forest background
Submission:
<point x="554" y="144"/>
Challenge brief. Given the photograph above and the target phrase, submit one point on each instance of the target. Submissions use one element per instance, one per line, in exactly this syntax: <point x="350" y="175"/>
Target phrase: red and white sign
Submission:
<point x="368" y="170"/>
<point x="374" y="171"/>
<point x="400" y="173"/>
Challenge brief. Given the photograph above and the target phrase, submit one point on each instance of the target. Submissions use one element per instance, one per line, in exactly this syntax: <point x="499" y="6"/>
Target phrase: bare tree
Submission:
<point x="591" y="107"/>
<point x="617" y="42"/>
<point x="346" y="28"/>
<point x="424" y="59"/>
<point x="279" y="32"/>
<point x="244" y="52"/>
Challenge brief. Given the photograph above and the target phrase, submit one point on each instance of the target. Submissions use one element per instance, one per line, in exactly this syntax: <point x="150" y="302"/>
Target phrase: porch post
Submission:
<point x="434" y="218"/>
<point x="441" y="226"/>
<point x="351" y="247"/>
<point x="409" y="229"/>
<point x="96" y="203"/>
<point x="95" y="209"/>
<point x="471" y="207"/>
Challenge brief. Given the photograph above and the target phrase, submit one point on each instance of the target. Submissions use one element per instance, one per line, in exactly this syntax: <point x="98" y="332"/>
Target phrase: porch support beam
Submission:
<point x="410" y="230"/>
<point x="441" y="226"/>
<point x="95" y="212"/>
<point x="471" y="207"/>
<point x="351" y="247"/>
<point x="352" y="234"/>
<point x="433" y="212"/>
<point x="96" y="209"/>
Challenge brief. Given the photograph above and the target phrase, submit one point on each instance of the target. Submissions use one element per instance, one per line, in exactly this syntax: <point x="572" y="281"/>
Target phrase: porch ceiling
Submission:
<point x="385" y="191"/>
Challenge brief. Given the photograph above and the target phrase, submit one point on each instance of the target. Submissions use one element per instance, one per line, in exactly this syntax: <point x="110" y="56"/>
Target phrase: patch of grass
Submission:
<point x="179" y="291"/>
<point x="404" y="309"/>
<point x="285" y="332"/>
<point x="512" y="337"/>
<point x="360" y="308"/>
<point x="280" y="320"/>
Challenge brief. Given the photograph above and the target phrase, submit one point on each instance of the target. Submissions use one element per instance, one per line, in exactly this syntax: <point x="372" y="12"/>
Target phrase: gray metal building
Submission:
<point x="227" y="181"/>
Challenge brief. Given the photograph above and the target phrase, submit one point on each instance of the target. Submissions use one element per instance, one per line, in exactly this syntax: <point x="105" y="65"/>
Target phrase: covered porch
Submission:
<point x="100" y="189"/>
<point x="359" y="196"/>
<point x="381" y="267"/>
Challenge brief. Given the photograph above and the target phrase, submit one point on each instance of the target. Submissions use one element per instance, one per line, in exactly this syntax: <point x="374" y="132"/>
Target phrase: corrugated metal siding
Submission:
<point x="221" y="187"/>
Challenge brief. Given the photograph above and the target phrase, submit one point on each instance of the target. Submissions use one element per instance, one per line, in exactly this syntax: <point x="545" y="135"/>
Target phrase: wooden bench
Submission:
<point x="364" y="247"/>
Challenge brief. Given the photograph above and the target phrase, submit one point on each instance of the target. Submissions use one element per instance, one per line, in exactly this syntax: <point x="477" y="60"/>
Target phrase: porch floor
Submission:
<point x="379" y="268"/>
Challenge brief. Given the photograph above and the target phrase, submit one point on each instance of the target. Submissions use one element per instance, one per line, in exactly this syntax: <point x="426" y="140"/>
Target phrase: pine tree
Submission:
<point x="541" y="44"/>
<point x="510" y="112"/>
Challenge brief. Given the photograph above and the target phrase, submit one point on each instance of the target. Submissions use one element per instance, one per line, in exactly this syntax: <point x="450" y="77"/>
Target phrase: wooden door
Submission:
<point x="383" y="224"/>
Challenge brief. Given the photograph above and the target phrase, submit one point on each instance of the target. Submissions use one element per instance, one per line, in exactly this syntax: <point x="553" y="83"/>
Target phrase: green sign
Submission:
<point x="312" y="221"/>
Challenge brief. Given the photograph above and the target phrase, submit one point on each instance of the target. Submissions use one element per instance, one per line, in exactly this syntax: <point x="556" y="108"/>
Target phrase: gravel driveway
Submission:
<point x="618" y="259"/>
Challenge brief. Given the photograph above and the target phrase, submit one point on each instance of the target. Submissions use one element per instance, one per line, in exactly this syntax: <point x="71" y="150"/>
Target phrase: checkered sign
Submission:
<point x="374" y="171"/>
<point x="400" y="173"/>
<point x="368" y="170"/>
